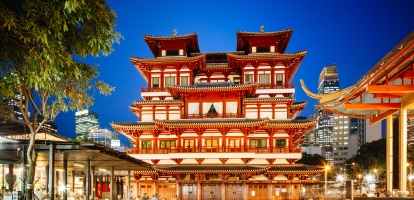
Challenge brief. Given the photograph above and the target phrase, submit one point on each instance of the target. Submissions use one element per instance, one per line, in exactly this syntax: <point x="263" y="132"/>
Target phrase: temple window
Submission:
<point x="234" y="143"/>
<point x="258" y="143"/>
<point x="165" y="144"/>
<point x="145" y="144"/>
<point x="263" y="49"/>
<point x="155" y="82"/>
<point x="212" y="143"/>
<point x="169" y="80"/>
<point x="189" y="143"/>
<point x="280" y="142"/>
<point x="184" y="80"/>
<point x="248" y="78"/>
<point x="279" y="79"/>
<point x="264" y="79"/>
<point x="172" y="52"/>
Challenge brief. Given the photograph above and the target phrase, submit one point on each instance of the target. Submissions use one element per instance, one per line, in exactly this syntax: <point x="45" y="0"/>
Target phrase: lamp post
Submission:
<point x="359" y="179"/>
<point x="352" y="164"/>
<point x="326" y="178"/>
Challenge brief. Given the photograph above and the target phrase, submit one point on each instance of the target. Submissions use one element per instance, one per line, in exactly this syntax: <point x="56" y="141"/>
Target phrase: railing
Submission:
<point x="153" y="89"/>
<point x="200" y="116"/>
<point x="216" y="149"/>
<point x="276" y="86"/>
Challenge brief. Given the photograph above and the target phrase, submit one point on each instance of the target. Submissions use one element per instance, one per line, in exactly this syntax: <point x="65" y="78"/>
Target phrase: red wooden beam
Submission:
<point x="381" y="116"/>
<point x="387" y="95"/>
<point x="372" y="106"/>
<point x="390" y="89"/>
<point x="407" y="75"/>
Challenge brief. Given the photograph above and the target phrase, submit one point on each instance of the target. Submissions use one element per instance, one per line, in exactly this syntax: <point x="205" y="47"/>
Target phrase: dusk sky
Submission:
<point x="354" y="35"/>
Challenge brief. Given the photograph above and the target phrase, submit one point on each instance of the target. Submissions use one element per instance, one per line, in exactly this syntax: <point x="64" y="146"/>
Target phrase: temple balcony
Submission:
<point x="154" y="92"/>
<point x="216" y="152"/>
<point x="202" y="116"/>
<point x="275" y="89"/>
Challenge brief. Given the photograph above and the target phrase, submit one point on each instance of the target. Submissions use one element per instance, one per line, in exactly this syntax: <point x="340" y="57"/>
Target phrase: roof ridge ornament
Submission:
<point x="261" y="29"/>
<point x="175" y="32"/>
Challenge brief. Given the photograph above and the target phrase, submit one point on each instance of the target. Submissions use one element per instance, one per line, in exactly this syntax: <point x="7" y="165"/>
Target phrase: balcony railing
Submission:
<point x="217" y="149"/>
<point x="201" y="116"/>
<point x="276" y="86"/>
<point x="153" y="89"/>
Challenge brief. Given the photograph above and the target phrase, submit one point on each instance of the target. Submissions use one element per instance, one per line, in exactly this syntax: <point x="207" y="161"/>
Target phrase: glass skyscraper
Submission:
<point x="86" y="121"/>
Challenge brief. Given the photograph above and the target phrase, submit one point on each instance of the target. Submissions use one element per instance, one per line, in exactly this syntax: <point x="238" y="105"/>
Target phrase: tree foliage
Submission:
<point x="40" y="46"/>
<point x="314" y="159"/>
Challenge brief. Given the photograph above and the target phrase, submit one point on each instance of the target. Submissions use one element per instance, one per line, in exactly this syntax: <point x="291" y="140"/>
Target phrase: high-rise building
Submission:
<point x="328" y="83"/>
<point x="220" y="125"/>
<point x="101" y="136"/>
<point x="14" y="106"/>
<point x="85" y="121"/>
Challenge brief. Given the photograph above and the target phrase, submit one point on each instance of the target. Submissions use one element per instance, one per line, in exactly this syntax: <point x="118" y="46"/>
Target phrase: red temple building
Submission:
<point x="219" y="125"/>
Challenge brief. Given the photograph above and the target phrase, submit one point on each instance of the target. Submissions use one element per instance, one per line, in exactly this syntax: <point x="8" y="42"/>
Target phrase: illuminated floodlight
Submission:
<point x="340" y="178"/>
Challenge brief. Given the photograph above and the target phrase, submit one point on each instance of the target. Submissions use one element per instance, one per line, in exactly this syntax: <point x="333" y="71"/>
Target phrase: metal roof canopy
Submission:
<point x="100" y="156"/>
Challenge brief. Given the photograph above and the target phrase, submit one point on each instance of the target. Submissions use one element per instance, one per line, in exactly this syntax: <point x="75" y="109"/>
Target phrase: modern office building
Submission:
<point x="328" y="82"/>
<point x="86" y="120"/>
<point x="101" y="136"/>
<point x="220" y="125"/>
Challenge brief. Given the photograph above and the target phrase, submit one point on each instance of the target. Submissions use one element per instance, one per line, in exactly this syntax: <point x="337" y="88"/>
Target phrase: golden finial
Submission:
<point x="262" y="29"/>
<point x="175" y="32"/>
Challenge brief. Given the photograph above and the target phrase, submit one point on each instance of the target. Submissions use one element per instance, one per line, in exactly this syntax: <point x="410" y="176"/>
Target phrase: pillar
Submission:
<point x="73" y="181"/>
<point x="87" y="179"/>
<point x="65" y="177"/>
<point x="93" y="184"/>
<point x="389" y="153"/>
<point x="199" y="190"/>
<point x="11" y="181"/>
<point x="403" y="150"/>
<point x="112" y="183"/>
<point x="129" y="185"/>
<point x="51" y="171"/>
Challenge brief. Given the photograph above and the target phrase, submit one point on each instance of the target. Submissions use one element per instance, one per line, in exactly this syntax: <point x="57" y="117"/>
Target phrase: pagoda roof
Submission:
<point x="269" y="56"/>
<point x="212" y="169"/>
<point x="146" y="102"/>
<point x="144" y="65"/>
<point x="190" y="39"/>
<point x="269" y="99"/>
<point x="296" y="108"/>
<point x="282" y="35"/>
<point x="298" y="104"/>
<point x="286" y="169"/>
<point x="287" y="123"/>
<point x="175" y="90"/>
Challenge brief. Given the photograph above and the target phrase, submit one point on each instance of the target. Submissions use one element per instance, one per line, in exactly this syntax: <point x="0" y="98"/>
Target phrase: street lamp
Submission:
<point x="359" y="178"/>
<point x="326" y="178"/>
<point x="369" y="178"/>
<point x="352" y="164"/>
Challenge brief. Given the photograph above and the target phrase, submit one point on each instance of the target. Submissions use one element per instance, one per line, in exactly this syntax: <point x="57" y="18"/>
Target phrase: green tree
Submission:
<point x="314" y="159"/>
<point x="370" y="156"/>
<point x="40" y="46"/>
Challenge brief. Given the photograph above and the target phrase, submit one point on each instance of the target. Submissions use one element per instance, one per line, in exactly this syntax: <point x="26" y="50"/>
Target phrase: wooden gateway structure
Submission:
<point x="384" y="92"/>
<point x="219" y="125"/>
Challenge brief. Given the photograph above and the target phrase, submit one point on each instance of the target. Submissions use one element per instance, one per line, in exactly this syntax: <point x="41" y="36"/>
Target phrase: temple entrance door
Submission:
<point x="258" y="192"/>
<point x="234" y="145"/>
<point x="210" y="190"/>
<point x="189" y="191"/>
<point x="234" y="191"/>
<point x="167" y="191"/>
<point x="146" y="188"/>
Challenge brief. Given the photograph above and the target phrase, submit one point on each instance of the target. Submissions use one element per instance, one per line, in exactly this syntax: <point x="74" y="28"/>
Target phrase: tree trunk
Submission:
<point x="31" y="158"/>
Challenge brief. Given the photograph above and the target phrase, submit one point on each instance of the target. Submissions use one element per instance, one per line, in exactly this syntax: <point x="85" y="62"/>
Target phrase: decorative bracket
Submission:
<point x="246" y="160"/>
<point x="223" y="160"/>
<point x="199" y="160"/>
<point x="271" y="160"/>
<point x="177" y="160"/>
<point x="155" y="161"/>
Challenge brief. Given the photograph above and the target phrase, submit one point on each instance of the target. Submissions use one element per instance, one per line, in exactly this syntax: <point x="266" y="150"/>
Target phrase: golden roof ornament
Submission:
<point x="262" y="29"/>
<point x="175" y="32"/>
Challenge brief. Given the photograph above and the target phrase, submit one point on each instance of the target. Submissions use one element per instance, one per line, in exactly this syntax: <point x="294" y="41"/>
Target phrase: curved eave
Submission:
<point x="210" y="124"/>
<point x="298" y="169"/>
<point x="282" y="34"/>
<point x="135" y="127"/>
<point x="269" y="56"/>
<point x="143" y="173"/>
<point x="153" y="41"/>
<point x="290" y="123"/>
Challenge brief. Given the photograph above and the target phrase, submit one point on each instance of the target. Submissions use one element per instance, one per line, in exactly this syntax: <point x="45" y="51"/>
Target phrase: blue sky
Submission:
<point x="352" y="34"/>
